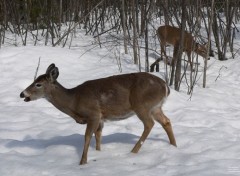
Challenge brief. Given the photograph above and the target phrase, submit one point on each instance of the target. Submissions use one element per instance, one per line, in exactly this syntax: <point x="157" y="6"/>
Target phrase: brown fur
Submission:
<point x="171" y="35"/>
<point x="113" y="98"/>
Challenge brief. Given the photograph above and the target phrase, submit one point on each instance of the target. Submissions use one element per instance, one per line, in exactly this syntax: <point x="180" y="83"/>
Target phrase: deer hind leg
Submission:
<point x="98" y="136"/>
<point x="148" y="124"/>
<point x="92" y="127"/>
<point x="159" y="116"/>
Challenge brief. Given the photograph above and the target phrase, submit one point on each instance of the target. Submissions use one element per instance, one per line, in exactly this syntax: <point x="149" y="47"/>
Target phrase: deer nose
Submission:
<point x="22" y="95"/>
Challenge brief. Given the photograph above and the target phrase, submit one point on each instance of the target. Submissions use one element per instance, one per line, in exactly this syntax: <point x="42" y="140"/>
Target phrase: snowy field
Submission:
<point x="37" y="139"/>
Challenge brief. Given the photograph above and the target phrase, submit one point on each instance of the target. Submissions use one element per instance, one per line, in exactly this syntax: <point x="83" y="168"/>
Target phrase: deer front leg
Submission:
<point x="98" y="136"/>
<point x="190" y="61"/>
<point x="91" y="128"/>
<point x="163" y="51"/>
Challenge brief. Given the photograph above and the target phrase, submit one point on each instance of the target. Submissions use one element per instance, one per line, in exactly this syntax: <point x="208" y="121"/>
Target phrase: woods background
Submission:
<point x="131" y="24"/>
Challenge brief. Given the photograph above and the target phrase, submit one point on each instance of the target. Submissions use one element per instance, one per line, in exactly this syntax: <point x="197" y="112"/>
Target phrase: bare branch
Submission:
<point x="219" y="72"/>
<point x="35" y="76"/>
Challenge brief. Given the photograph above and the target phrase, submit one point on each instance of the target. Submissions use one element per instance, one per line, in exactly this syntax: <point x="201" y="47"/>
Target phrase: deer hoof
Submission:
<point x="82" y="162"/>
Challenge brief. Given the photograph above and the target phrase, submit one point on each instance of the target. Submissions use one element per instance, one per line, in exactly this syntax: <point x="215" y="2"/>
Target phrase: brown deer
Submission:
<point x="171" y="35"/>
<point x="113" y="98"/>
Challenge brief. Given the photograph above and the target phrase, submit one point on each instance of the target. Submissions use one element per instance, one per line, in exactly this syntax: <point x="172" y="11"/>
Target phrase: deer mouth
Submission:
<point x="26" y="98"/>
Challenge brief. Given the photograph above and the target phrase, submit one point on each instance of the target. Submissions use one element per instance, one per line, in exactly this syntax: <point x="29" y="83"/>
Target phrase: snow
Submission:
<point x="37" y="139"/>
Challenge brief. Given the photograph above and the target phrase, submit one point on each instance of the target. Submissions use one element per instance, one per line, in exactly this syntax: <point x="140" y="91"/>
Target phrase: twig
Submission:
<point x="35" y="76"/>
<point x="219" y="72"/>
<point x="76" y="24"/>
<point x="106" y="31"/>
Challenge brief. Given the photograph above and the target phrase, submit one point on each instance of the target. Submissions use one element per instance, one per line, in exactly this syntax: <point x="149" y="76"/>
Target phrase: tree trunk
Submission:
<point x="124" y="27"/>
<point x="209" y="40"/>
<point x="180" y="48"/>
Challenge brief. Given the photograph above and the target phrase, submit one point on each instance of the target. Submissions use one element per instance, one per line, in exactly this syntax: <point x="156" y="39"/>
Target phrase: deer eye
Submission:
<point x="38" y="85"/>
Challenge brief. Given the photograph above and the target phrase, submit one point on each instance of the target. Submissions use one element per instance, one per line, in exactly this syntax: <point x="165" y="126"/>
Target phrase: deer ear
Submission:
<point x="197" y="45"/>
<point x="205" y="44"/>
<point x="50" y="68"/>
<point x="53" y="75"/>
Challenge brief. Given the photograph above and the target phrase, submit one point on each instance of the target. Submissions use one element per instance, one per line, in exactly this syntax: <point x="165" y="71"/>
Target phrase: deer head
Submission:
<point x="40" y="87"/>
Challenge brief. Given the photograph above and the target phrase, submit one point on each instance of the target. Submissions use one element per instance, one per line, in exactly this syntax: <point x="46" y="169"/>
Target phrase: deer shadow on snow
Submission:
<point x="76" y="141"/>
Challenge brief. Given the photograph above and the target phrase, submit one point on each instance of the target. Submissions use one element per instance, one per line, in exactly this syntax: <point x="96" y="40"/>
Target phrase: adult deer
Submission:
<point x="171" y="35"/>
<point x="112" y="98"/>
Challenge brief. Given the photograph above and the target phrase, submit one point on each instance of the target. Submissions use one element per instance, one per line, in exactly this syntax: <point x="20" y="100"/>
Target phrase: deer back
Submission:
<point x="110" y="98"/>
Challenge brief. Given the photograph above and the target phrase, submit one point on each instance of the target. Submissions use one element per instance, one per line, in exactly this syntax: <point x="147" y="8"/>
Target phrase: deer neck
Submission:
<point x="60" y="97"/>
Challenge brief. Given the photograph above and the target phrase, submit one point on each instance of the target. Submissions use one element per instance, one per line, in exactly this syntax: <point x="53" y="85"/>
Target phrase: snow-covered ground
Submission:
<point x="37" y="139"/>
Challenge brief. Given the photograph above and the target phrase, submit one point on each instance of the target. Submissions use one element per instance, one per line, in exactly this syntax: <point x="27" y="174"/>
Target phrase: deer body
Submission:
<point x="106" y="99"/>
<point x="171" y="35"/>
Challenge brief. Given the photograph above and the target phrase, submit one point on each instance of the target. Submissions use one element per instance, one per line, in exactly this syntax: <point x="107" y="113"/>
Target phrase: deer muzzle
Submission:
<point x="25" y="95"/>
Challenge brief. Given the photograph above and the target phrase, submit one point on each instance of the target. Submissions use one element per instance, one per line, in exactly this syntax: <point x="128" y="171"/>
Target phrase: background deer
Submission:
<point x="171" y="35"/>
<point x="112" y="98"/>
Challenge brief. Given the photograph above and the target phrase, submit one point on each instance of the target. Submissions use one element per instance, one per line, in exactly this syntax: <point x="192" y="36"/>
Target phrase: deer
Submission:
<point x="171" y="35"/>
<point x="106" y="99"/>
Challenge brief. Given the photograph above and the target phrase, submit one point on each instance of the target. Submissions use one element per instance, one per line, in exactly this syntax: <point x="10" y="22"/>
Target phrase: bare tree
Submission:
<point x="130" y="25"/>
<point x="180" y="49"/>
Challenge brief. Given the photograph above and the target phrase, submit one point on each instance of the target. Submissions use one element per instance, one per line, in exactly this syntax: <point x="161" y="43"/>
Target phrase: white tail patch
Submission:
<point x="167" y="90"/>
